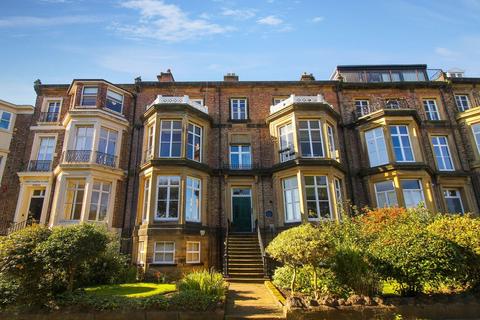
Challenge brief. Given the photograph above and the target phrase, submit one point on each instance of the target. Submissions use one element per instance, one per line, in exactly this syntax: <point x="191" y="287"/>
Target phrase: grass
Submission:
<point x="131" y="290"/>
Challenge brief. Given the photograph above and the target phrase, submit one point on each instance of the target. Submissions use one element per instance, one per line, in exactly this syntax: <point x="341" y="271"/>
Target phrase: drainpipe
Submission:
<point x="220" y="178"/>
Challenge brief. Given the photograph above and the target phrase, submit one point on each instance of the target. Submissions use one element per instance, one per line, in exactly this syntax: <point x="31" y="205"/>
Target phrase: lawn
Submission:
<point x="131" y="290"/>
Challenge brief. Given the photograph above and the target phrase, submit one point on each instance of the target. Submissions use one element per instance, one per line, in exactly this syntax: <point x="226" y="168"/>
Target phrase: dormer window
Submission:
<point x="114" y="101"/>
<point x="89" y="96"/>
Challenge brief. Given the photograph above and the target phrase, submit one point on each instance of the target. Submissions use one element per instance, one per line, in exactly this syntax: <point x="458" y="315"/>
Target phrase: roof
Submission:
<point x="22" y="108"/>
<point x="382" y="67"/>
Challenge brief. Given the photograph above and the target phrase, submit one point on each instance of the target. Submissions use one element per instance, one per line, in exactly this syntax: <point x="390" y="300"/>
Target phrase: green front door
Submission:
<point x="241" y="210"/>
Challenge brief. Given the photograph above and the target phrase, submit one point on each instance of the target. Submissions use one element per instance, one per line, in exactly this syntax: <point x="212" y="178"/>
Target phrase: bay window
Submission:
<point x="287" y="150"/>
<point x="291" y="199"/>
<point x="170" y="138"/>
<point x="168" y="197"/>
<point x="89" y="96"/>
<point x="338" y="196"/>
<point x="311" y="142"/>
<point x="146" y="198"/>
<point x="385" y="194"/>
<point x="317" y="194"/>
<point x="331" y="142"/>
<point x="376" y="147"/>
<point x="106" y="147"/>
<point x="476" y="135"/>
<point x="412" y="193"/>
<point x="74" y="199"/>
<point x="114" y="101"/>
<point x="402" y="147"/>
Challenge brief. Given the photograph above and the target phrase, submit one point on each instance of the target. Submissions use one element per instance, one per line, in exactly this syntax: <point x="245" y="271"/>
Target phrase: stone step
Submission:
<point x="245" y="264"/>
<point x="245" y="279"/>
<point x="251" y="274"/>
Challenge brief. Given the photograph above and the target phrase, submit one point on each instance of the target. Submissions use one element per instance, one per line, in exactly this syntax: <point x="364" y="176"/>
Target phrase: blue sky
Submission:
<point x="59" y="40"/>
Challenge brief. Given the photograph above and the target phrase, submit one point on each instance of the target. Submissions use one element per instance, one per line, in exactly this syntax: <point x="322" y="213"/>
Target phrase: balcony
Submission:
<point x="391" y="104"/>
<point x="48" y="117"/>
<point x="178" y="100"/>
<point x="39" y="166"/>
<point x="88" y="156"/>
<point x="297" y="99"/>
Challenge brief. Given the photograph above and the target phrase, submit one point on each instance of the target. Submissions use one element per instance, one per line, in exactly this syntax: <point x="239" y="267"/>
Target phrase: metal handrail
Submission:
<point x="16" y="226"/>
<point x="105" y="159"/>
<point x="85" y="156"/>
<point x="48" y="117"/>
<point x="39" y="166"/>
<point x="262" y="249"/>
<point x="225" y="254"/>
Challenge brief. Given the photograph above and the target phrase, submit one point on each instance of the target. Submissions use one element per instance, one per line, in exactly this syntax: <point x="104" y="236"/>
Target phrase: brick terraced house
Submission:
<point x="205" y="173"/>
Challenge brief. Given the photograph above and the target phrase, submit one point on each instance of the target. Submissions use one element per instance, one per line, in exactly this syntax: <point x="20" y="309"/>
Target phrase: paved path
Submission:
<point x="251" y="301"/>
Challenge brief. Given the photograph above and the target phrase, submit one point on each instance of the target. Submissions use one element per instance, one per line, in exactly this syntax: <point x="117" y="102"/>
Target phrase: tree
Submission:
<point x="300" y="246"/>
<point x="68" y="248"/>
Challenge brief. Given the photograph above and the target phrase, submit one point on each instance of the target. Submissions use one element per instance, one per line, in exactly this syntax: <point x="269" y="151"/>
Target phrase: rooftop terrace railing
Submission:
<point x="297" y="99"/>
<point x="178" y="100"/>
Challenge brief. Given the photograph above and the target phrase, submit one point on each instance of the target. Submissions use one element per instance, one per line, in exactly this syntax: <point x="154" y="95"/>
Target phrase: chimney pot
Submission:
<point x="307" y="77"/>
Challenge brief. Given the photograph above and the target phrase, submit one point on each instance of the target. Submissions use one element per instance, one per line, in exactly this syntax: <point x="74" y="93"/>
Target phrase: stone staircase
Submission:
<point x="244" y="258"/>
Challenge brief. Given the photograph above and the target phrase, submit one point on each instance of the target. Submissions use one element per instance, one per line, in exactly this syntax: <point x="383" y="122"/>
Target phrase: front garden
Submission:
<point x="79" y="269"/>
<point x="379" y="257"/>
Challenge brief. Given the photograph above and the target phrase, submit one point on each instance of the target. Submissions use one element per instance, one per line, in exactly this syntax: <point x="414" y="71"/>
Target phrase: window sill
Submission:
<point x="239" y="120"/>
<point x="160" y="264"/>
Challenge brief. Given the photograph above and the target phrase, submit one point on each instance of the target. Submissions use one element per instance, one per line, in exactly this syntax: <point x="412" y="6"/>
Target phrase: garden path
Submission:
<point x="251" y="301"/>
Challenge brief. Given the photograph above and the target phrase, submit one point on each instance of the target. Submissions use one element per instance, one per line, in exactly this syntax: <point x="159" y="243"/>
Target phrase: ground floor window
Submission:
<point x="141" y="253"/>
<point x="99" y="201"/>
<point x="168" y="197"/>
<point x="385" y="194"/>
<point x="318" y="203"/>
<point x="291" y="199"/>
<point x="453" y="199"/>
<point x="164" y="252"/>
<point x="412" y="193"/>
<point x="74" y="199"/>
<point x="193" y="252"/>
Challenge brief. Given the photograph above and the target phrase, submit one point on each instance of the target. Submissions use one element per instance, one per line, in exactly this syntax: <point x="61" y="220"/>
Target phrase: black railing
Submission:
<point x="236" y="166"/>
<point x="39" y="165"/>
<point x="390" y="104"/>
<point x="16" y="226"/>
<point x="85" y="156"/>
<point x="225" y="253"/>
<point x="48" y="117"/>
<point x="287" y="154"/>
<point x="77" y="156"/>
<point x="262" y="248"/>
<point x="147" y="155"/>
<point x="105" y="159"/>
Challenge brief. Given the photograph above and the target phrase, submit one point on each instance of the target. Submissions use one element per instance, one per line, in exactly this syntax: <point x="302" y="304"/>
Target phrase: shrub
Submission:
<point x="463" y="231"/>
<point x="192" y="300"/>
<point x="207" y="282"/>
<point x="301" y="246"/>
<point x="21" y="267"/>
<point x="406" y="252"/>
<point x="67" y="249"/>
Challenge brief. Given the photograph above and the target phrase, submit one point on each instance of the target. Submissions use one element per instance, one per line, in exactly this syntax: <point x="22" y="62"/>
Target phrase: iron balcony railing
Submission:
<point x="390" y="104"/>
<point x="287" y="154"/>
<point x="237" y="166"/>
<point x="48" y="117"/>
<point x="39" y="166"/>
<point x="88" y="156"/>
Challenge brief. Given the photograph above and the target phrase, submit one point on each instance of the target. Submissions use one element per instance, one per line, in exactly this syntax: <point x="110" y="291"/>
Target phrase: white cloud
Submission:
<point x="240" y="14"/>
<point x="30" y="21"/>
<point x="445" y="52"/>
<point x="270" y="21"/>
<point x="318" y="19"/>
<point x="162" y="21"/>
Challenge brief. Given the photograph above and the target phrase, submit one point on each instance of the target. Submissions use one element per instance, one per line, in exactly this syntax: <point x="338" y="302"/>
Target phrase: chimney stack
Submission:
<point x="231" y="76"/>
<point x="307" y="77"/>
<point x="166" y="76"/>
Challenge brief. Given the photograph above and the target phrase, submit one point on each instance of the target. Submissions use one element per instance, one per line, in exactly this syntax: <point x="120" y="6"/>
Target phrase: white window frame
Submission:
<point x="337" y="183"/>
<point x="309" y="129"/>
<point x="164" y="252"/>
<point x="2" y="112"/>
<point x="197" y="101"/>
<point x="286" y="142"/>
<point x="240" y="154"/>
<point x="386" y="194"/>
<point x="171" y="130"/>
<point x="110" y="138"/>
<point x="150" y="147"/>
<point x="192" y="146"/>
<point x="189" y="206"/>
<point x="57" y="105"/>
<point x="147" y="185"/>
<point x="44" y="154"/>
<point x="446" y="195"/>
<point x="441" y="158"/>
<point x="193" y="252"/>
<point x="375" y="141"/>
<point x="476" y="135"/>
<point x="362" y="105"/>
<point x="317" y="201"/>
<point x="86" y="137"/>
<point x="169" y="186"/>
<point x="462" y="101"/>
<point x="115" y="100"/>
<point x="294" y="205"/>
<point x="331" y="142"/>
<point x="89" y="95"/>
<point x="402" y="147"/>
<point x="431" y="109"/>
<point x="101" y="193"/>
<point x="75" y="201"/>
<point x="238" y="114"/>
<point x="404" y="191"/>
<point x="141" y="253"/>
